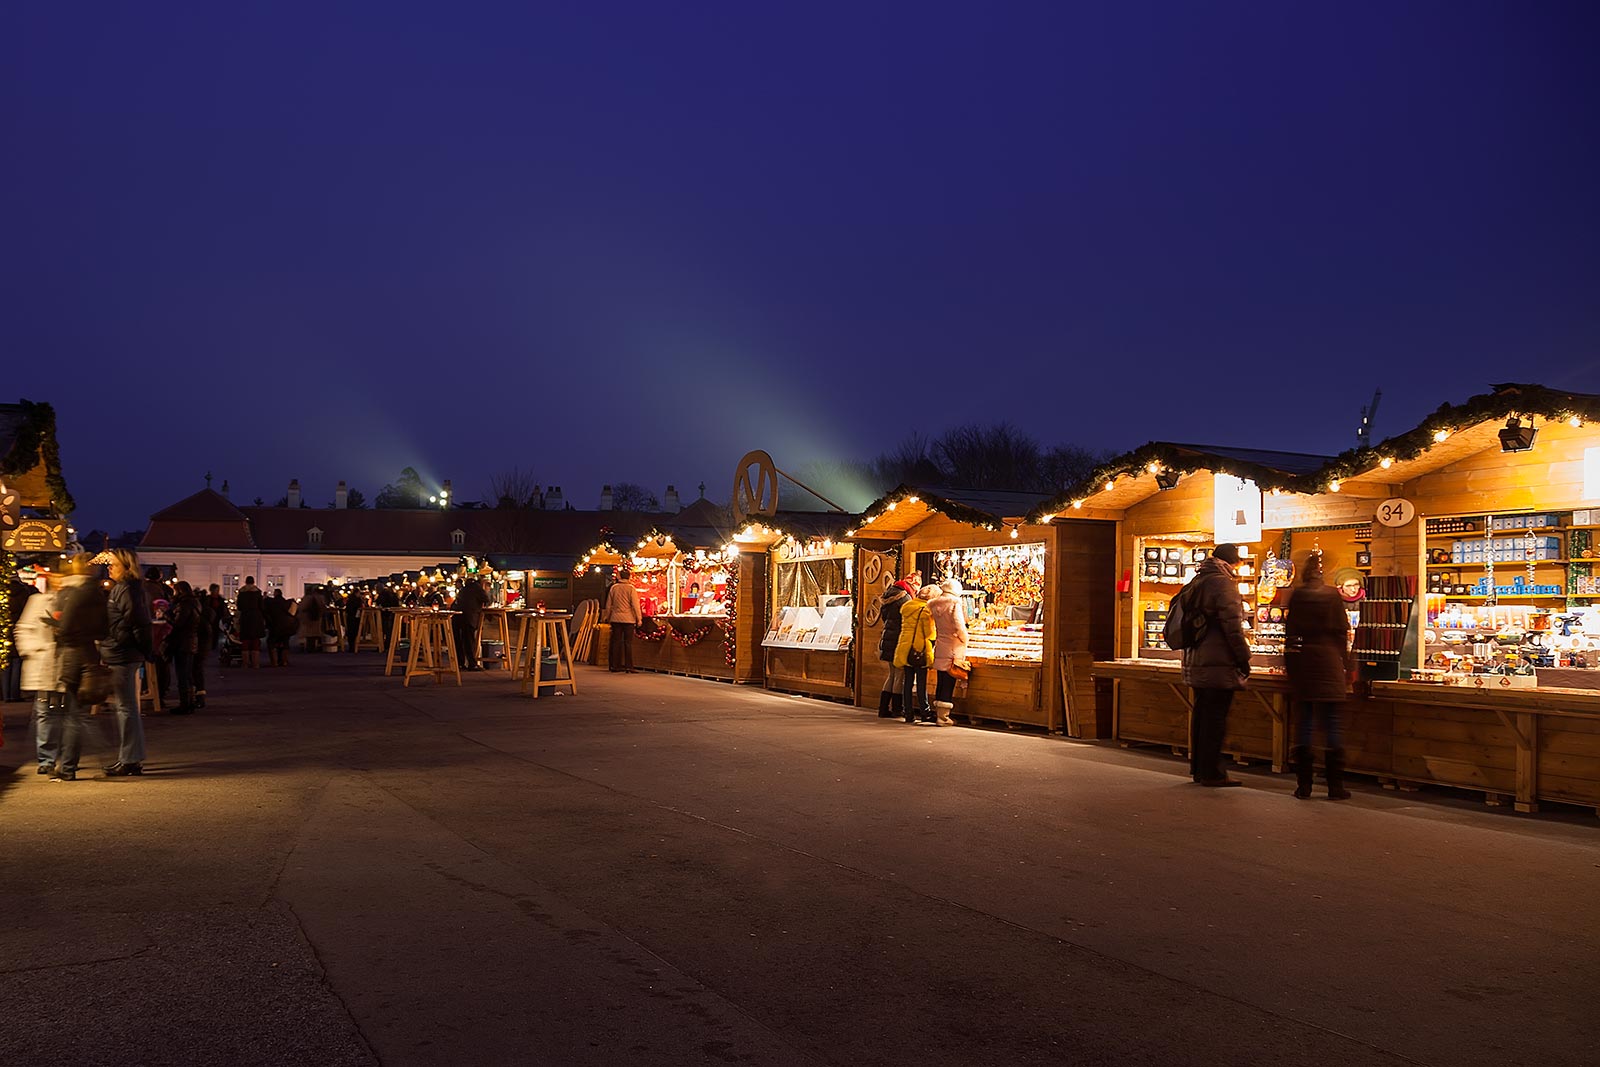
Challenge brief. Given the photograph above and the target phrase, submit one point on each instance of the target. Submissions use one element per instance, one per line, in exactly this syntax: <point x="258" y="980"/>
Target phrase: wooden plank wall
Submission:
<point x="1084" y="577"/>
<point x="875" y="572"/>
<point x="753" y="618"/>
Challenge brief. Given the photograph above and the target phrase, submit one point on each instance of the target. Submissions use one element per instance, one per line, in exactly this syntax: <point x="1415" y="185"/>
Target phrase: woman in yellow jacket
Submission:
<point x="915" y="652"/>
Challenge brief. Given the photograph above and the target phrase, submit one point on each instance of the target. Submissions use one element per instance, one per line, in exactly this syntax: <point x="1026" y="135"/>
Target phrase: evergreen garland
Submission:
<point x="1510" y="398"/>
<point x="35" y="443"/>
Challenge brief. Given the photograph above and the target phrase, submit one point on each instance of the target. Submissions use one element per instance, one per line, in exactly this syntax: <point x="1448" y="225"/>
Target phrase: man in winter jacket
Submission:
<point x="890" y="701"/>
<point x="1216" y="666"/>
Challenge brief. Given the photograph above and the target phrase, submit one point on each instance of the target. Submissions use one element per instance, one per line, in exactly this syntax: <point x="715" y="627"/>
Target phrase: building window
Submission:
<point x="458" y="538"/>
<point x="274" y="581"/>
<point x="230" y="586"/>
<point x="314" y="536"/>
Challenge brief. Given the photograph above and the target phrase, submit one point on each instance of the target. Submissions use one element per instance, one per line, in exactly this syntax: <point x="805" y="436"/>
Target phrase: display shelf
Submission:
<point x="1510" y="596"/>
<point x="1513" y="563"/>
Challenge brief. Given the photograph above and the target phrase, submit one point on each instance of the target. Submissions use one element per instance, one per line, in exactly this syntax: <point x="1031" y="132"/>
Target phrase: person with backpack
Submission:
<point x="1206" y="620"/>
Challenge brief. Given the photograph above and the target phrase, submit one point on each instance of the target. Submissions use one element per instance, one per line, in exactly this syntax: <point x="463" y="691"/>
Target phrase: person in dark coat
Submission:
<point x="891" y="701"/>
<point x="183" y="615"/>
<point x="1217" y="665"/>
<point x="281" y="627"/>
<point x="251" y="614"/>
<point x="126" y="649"/>
<point x="84" y="623"/>
<point x="471" y="601"/>
<point x="354" y="601"/>
<point x="1316" y="653"/>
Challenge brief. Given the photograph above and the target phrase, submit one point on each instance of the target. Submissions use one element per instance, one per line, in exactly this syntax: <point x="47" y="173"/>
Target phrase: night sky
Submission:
<point x="631" y="241"/>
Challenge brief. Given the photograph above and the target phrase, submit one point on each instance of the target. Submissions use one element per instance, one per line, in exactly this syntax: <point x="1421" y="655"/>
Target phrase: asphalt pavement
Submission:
<point x="325" y="867"/>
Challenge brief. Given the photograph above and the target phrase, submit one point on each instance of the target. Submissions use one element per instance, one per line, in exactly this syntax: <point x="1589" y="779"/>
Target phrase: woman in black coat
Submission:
<point x="890" y="701"/>
<point x="1317" y="658"/>
<point x="183" y="615"/>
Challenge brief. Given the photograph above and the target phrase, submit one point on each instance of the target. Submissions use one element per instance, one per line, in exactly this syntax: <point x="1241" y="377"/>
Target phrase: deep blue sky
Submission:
<point x="630" y="241"/>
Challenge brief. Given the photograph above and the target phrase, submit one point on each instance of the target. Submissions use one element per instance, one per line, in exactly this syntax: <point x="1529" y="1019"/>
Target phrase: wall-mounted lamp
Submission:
<point x="1516" y="437"/>
<point x="1166" y="478"/>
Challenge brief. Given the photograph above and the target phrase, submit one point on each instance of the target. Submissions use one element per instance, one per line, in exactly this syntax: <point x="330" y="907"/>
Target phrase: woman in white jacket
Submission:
<point x="950" y="620"/>
<point x="36" y="642"/>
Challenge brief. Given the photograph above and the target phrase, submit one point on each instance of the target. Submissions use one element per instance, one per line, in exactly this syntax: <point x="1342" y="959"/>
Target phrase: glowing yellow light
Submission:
<point x="1013" y="533"/>
<point x="911" y="499"/>
<point x="1154" y="466"/>
<point x="1333" y="486"/>
<point x="1386" y="462"/>
<point x="1277" y="492"/>
<point x="891" y="505"/>
<point x="1440" y="435"/>
<point x="1046" y="518"/>
<point x="849" y="533"/>
<point x="1110" y="486"/>
<point x="1077" y="503"/>
<point x="1575" y="422"/>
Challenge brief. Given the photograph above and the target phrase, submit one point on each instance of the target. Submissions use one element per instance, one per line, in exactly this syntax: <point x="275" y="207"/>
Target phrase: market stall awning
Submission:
<point x="1133" y="477"/>
<point x="1456" y="431"/>
<point x="907" y="507"/>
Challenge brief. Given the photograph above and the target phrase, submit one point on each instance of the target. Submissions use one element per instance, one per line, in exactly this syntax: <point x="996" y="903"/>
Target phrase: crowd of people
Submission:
<point x="923" y="626"/>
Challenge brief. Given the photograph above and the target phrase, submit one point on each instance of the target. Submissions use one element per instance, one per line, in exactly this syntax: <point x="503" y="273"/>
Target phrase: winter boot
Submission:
<point x="941" y="713"/>
<point x="1300" y="760"/>
<point x="1336" y="789"/>
<point x="884" y="699"/>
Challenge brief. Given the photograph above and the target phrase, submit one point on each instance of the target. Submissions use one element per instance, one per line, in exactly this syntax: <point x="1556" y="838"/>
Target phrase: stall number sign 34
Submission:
<point x="1395" y="512"/>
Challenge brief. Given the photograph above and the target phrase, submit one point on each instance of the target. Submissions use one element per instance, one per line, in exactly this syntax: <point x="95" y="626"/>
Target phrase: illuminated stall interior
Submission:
<point x="1021" y="603"/>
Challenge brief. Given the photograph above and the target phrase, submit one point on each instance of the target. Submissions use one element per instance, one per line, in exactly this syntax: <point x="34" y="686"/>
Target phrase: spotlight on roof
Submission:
<point x="1167" y="478"/>
<point x="1517" y="437"/>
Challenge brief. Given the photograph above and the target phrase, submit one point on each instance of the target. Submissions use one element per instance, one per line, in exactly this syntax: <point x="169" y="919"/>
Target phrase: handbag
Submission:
<point x="960" y="670"/>
<point x="94" y="685"/>
<point x="917" y="654"/>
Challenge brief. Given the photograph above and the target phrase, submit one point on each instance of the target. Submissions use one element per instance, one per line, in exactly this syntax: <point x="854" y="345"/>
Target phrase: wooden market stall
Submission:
<point x="808" y="646"/>
<point x="1463" y="546"/>
<point x="685" y="633"/>
<point x="1036" y="593"/>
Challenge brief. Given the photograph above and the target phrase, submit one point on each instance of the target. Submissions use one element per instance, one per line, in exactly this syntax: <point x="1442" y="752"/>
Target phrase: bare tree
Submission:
<point x="1064" y="466"/>
<point x="514" y="488"/>
<point x="628" y="496"/>
<point x="994" y="457"/>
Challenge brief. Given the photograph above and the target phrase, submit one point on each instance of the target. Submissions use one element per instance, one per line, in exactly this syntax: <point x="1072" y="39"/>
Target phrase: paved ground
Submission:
<point x="325" y="868"/>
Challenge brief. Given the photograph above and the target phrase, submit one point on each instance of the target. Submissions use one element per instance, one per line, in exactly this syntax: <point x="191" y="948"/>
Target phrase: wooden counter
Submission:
<point x="1007" y="691"/>
<point x="813" y="672"/>
<point x="1150" y="704"/>
<point x="1515" y="745"/>
<point x="704" y="659"/>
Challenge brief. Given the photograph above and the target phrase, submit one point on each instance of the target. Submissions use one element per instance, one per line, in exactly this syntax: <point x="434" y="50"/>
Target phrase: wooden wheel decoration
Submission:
<point x="9" y="509"/>
<point x="755" y="487"/>
<point x="876" y="576"/>
<point x="871" y="569"/>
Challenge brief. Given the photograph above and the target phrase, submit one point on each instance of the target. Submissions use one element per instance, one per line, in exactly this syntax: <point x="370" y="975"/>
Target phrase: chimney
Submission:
<point x="294" y="493"/>
<point x="605" y="498"/>
<point x="446" y="494"/>
<point x="341" y="496"/>
<point x="552" y="499"/>
<point x="536" y="498"/>
<point x="224" y="488"/>
<point x="670" y="502"/>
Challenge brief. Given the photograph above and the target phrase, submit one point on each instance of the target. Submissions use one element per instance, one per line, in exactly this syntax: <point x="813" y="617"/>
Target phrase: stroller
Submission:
<point x="230" y="653"/>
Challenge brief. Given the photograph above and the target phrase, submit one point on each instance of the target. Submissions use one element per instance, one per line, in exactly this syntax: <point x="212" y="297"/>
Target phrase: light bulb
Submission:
<point x="1077" y="503"/>
<point x="1575" y="422"/>
<point x="1386" y="462"/>
<point x="1333" y="486"/>
<point x="1440" y="435"/>
<point x="1110" y="486"/>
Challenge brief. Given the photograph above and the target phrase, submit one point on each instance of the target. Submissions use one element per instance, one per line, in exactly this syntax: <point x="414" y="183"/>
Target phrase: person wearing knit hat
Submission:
<point x="1216" y="665"/>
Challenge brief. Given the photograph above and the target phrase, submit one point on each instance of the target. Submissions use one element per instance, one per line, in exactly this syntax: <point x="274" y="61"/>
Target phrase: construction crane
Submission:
<point x="1368" y="415"/>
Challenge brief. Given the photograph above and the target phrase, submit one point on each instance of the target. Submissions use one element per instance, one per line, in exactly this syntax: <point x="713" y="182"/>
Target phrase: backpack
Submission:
<point x="1186" y="624"/>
